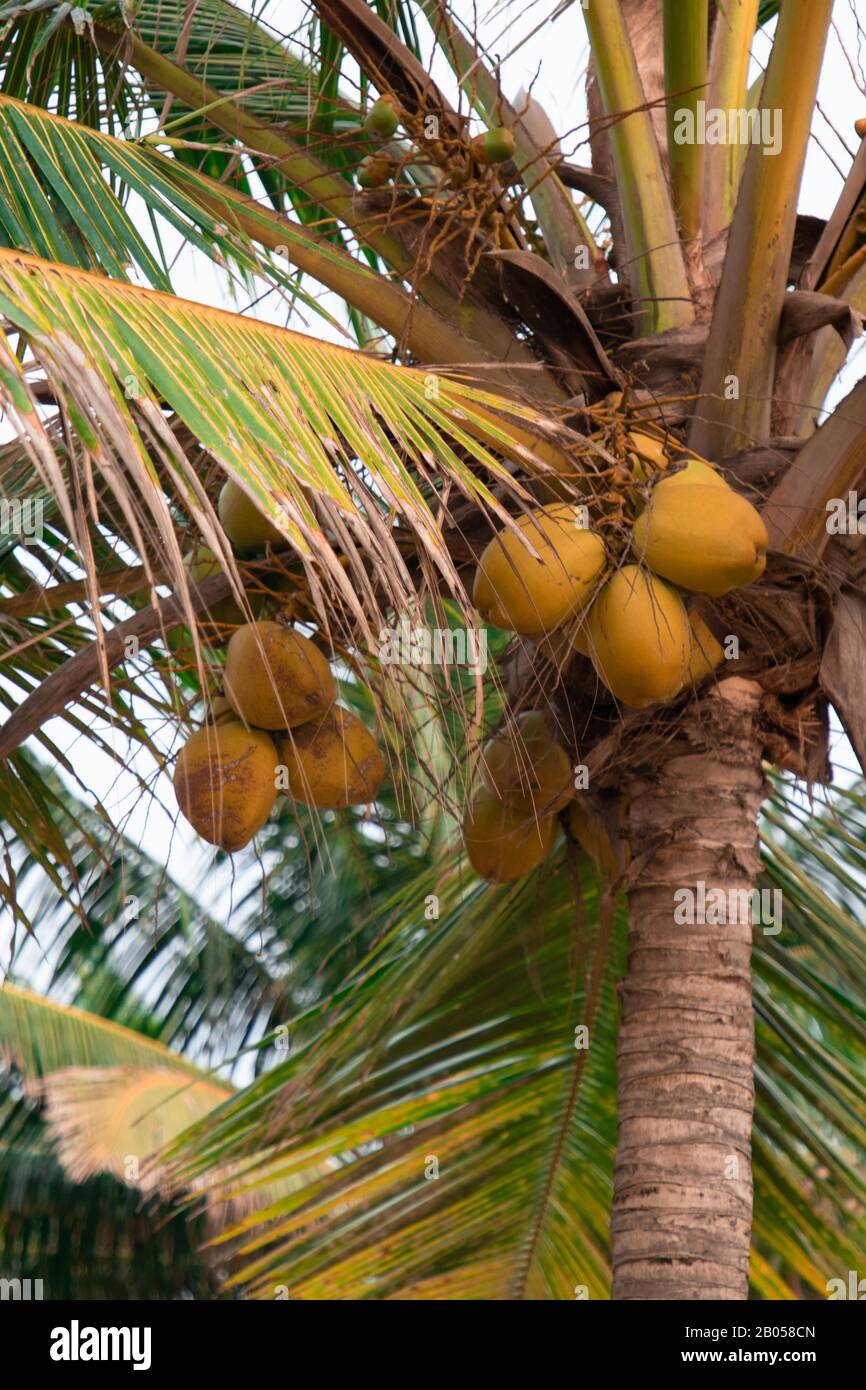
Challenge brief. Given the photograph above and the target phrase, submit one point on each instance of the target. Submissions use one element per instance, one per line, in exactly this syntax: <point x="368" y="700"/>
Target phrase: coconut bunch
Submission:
<point x="277" y="726"/>
<point x="693" y="535"/>
<point x="551" y="578"/>
<point x="384" y="118"/>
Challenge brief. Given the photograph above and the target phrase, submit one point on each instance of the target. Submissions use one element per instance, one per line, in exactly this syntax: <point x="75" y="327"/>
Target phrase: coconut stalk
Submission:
<point x="656" y="268"/>
<point x="730" y="52"/>
<point x="307" y="173"/>
<point x="564" y="228"/>
<point x="740" y="361"/>
<point x="685" y="42"/>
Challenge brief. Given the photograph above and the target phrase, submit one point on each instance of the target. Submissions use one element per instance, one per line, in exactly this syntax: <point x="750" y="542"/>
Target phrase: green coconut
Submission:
<point x="375" y="171"/>
<point x="494" y="146"/>
<point x="383" y="118"/>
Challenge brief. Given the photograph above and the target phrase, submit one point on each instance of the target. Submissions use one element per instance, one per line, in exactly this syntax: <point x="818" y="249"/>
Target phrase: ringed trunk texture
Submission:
<point x="682" y="1209"/>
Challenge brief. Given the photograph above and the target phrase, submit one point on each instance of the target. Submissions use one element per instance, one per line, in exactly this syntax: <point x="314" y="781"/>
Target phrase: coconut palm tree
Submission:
<point x="443" y="1124"/>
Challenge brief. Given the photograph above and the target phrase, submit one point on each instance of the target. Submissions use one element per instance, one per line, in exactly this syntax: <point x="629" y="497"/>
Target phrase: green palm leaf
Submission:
<point x="476" y="1071"/>
<point x="71" y="213"/>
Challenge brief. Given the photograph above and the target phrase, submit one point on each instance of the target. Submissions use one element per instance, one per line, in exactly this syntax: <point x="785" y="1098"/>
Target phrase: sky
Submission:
<point x="550" y="56"/>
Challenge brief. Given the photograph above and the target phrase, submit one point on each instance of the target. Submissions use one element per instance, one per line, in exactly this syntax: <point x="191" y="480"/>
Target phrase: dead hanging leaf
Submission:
<point x="805" y="311"/>
<point x="550" y="308"/>
<point x="828" y="466"/>
<point x="843" y="669"/>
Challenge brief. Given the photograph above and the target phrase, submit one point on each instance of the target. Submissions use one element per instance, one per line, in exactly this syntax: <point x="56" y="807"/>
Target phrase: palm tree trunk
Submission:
<point x="683" y="1185"/>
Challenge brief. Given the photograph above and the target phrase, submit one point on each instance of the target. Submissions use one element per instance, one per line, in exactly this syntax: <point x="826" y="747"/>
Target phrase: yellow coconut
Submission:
<point x="503" y="841"/>
<point x="640" y="637"/>
<point x="555" y="647"/>
<point x="707" y="652"/>
<point x="275" y="678"/>
<point x="225" y="781"/>
<point x="332" y="762"/>
<point x="560" y="646"/>
<point x="525" y="762"/>
<point x="248" y="529"/>
<point x="646" y="454"/>
<point x="580" y="639"/>
<point x="514" y="590"/>
<point x="703" y="537"/>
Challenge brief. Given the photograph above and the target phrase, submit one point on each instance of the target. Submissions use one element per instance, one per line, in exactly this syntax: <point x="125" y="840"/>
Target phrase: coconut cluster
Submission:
<point x="550" y="578"/>
<point x="693" y="534"/>
<point x="384" y="118"/>
<point x="277" y="726"/>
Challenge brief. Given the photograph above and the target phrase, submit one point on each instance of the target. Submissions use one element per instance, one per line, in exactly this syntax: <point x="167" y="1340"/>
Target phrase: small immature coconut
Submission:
<point x="275" y="678"/>
<point x="646" y="454"/>
<point x="640" y="638"/>
<point x="332" y="762"/>
<point x="226" y="614"/>
<point x="375" y="171"/>
<point x="225" y="781"/>
<point x="503" y="841"/>
<point x="701" y="536"/>
<point x="246" y="527"/>
<point x="494" y="146"/>
<point x="525" y="763"/>
<point x="383" y="118"/>
<point x="860" y="128"/>
<point x="514" y="590"/>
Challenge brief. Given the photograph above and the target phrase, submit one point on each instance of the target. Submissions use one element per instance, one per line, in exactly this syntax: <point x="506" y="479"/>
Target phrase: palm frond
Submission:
<point x="56" y="202"/>
<point x="44" y="1037"/>
<point x="471" y="1077"/>
<point x="271" y="405"/>
<point x="88" y="1240"/>
<point x="461" y="1128"/>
